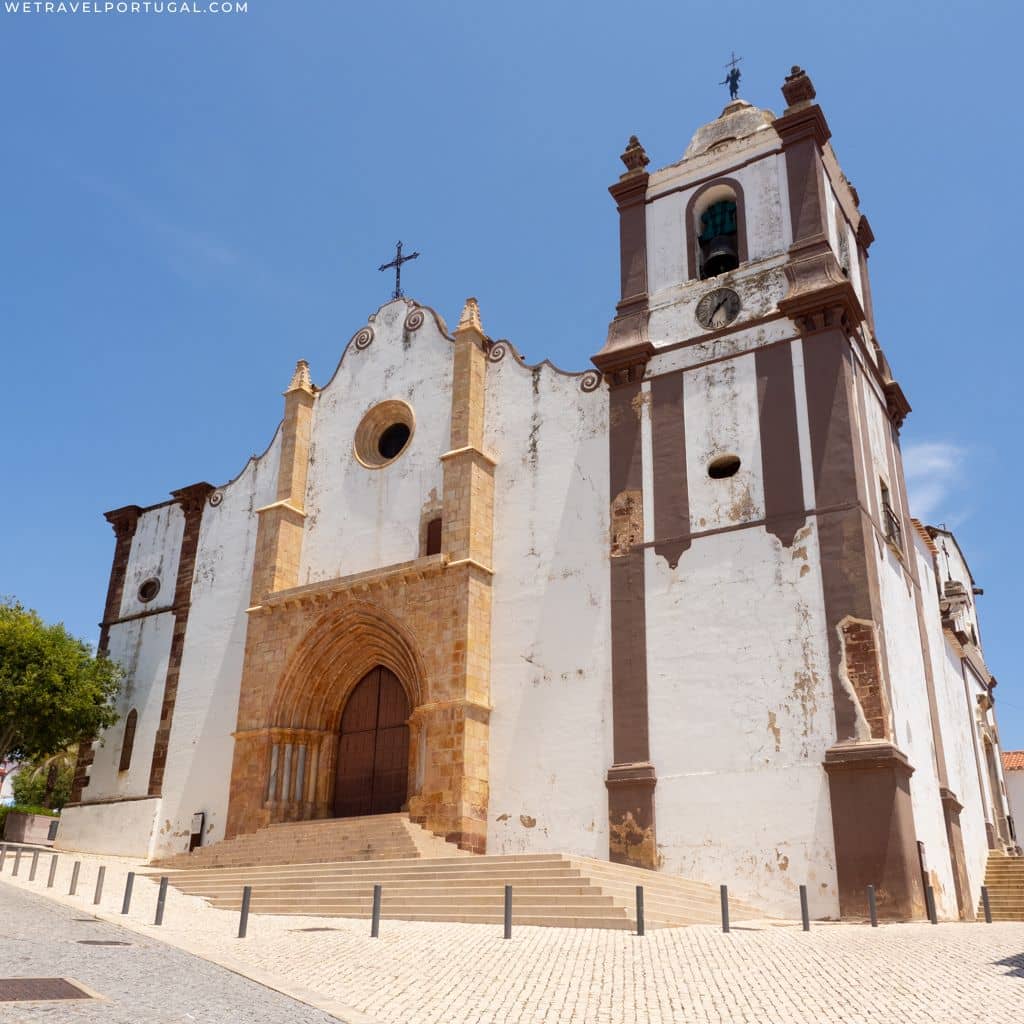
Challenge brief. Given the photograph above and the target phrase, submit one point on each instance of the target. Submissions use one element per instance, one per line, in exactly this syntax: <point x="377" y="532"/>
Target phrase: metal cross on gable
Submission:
<point x="732" y="79"/>
<point x="397" y="264"/>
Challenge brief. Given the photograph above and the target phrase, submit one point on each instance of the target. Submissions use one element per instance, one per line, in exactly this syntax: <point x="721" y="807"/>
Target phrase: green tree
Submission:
<point x="53" y="691"/>
<point x="46" y="781"/>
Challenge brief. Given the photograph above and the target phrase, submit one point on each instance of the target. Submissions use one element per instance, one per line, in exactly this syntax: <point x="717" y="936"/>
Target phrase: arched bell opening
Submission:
<point x="716" y="229"/>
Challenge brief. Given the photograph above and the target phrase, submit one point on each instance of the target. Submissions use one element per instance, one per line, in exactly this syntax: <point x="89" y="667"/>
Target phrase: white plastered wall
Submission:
<point x="198" y="771"/>
<point x="141" y="647"/>
<point x="739" y="687"/>
<point x="122" y="829"/>
<point x="1015" y="797"/>
<point x="359" y="519"/>
<point x="550" y="728"/>
<point x="910" y="714"/>
<point x="114" y="814"/>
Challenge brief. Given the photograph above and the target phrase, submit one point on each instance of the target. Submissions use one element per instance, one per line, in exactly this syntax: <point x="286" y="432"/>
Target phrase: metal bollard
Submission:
<point x="161" y="901"/>
<point x="872" y="907"/>
<point x="508" y="911"/>
<point x="243" y="920"/>
<point x="805" y="914"/>
<point x="640" y="910"/>
<point x="53" y="872"/>
<point x="129" y="884"/>
<point x="17" y="862"/>
<point x="100" y="875"/>
<point x="375" y="922"/>
<point x="724" y="890"/>
<point x="929" y="902"/>
<point x="985" y="905"/>
<point x="33" y="866"/>
<point x="74" y="877"/>
<point x="3" y="856"/>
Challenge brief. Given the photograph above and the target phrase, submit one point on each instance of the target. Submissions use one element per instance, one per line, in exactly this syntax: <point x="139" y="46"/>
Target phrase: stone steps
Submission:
<point x="376" y="838"/>
<point x="547" y="889"/>
<point x="1004" y="879"/>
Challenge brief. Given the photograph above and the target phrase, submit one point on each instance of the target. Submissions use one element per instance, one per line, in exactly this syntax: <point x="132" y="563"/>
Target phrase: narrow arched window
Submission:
<point x="129" y="740"/>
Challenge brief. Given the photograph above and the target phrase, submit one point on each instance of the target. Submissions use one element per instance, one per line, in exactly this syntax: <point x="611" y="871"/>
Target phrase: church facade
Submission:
<point x="672" y="611"/>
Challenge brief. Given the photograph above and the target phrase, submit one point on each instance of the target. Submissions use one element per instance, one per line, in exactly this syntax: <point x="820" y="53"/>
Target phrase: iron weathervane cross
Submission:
<point x="397" y="264"/>
<point x="732" y="79"/>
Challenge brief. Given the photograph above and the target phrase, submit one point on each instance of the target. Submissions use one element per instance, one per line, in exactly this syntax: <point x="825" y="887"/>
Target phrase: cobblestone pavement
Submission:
<point x="142" y="983"/>
<point x="429" y="973"/>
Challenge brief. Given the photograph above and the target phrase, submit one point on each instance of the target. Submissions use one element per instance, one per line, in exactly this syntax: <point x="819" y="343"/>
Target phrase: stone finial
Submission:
<point x="470" y="319"/>
<point x="300" y="378"/>
<point x="798" y="87"/>
<point x="635" y="156"/>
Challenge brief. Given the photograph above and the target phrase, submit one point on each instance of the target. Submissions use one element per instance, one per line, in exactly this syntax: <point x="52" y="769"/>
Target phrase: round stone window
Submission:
<point x="149" y="589"/>
<point x="384" y="433"/>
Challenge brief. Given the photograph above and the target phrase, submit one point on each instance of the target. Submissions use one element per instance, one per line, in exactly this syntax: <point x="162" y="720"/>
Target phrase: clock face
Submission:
<point x="718" y="309"/>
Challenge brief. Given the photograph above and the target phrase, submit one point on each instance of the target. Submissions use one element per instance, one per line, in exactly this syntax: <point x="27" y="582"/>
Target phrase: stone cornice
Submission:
<point x="470" y="450"/>
<point x="285" y="505"/>
<point x="472" y="708"/>
<point x="871" y="755"/>
<point x="361" y="582"/>
<point x="472" y="563"/>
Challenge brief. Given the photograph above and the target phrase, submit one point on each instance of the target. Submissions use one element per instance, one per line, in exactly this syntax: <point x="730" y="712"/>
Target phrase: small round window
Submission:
<point x="149" y="589"/>
<point x="725" y="466"/>
<point x="384" y="433"/>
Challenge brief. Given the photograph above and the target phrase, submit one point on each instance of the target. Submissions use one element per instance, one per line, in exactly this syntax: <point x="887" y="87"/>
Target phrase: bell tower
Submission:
<point x="756" y="501"/>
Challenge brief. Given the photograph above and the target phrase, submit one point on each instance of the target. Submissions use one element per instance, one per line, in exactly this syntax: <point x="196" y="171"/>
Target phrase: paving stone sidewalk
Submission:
<point x="141" y="982"/>
<point x="430" y="973"/>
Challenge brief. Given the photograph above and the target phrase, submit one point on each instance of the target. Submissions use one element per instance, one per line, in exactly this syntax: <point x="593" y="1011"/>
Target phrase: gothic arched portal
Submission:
<point x="372" y="774"/>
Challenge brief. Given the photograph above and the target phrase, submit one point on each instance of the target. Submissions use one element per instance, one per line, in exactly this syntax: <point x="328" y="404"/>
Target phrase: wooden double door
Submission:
<point x="373" y="748"/>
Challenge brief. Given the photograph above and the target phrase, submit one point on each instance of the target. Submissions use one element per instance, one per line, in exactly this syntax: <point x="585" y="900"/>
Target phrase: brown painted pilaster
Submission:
<point x="123" y="520"/>
<point x="627" y="348"/>
<point x="192" y="500"/>
<point x="668" y="455"/>
<point x="631" y="778"/>
<point x="873" y="826"/>
<point x="780" y="443"/>
<point x="872" y="817"/>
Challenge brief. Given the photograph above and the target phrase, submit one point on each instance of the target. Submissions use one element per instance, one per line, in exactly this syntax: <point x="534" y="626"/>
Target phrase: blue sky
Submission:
<point x="192" y="202"/>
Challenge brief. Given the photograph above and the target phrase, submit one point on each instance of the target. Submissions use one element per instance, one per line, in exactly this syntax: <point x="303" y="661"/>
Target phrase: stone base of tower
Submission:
<point x="873" y="824"/>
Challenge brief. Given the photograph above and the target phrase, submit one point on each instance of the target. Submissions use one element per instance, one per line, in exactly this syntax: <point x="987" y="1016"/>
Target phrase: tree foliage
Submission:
<point x="46" y="781"/>
<point x="53" y="691"/>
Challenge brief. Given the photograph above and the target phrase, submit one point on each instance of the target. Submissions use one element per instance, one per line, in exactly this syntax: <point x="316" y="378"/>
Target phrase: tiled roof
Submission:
<point x="1013" y="760"/>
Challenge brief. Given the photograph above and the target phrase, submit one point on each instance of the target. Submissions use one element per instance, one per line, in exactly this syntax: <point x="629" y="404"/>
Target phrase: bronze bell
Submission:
<point x="720" y="254"/>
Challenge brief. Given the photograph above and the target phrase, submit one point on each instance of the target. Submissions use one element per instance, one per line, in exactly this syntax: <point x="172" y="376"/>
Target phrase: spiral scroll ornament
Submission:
<point x="414" y="321"/>
<point x="216" y="498"/>
<point x="497" y="352"/>
<point x="362" y="339"/>
<point x="590" y="381"/>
